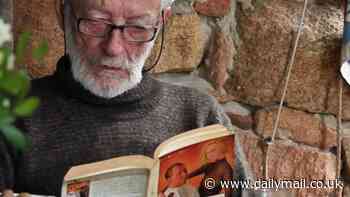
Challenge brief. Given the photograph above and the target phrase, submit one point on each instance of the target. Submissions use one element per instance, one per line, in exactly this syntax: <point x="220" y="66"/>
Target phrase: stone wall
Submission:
<point x="238" y="51"/>
<point x="39" y="18"/>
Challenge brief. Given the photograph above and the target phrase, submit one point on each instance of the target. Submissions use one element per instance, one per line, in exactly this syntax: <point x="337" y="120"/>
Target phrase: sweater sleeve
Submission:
<point x="217" y="115"/>
<point x="6" y="165"/>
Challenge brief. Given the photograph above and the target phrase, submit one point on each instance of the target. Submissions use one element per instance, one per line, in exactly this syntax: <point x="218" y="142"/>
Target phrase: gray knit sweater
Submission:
<point x="73" y="127"/>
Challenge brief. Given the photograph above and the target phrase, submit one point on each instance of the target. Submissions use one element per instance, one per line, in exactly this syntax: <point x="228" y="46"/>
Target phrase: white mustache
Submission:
<point x="115" y="62"/>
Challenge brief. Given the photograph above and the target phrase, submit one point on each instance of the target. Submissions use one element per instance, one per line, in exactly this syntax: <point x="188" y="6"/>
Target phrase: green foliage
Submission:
<point x="14" y="83"/>
<point x="5" y="54"/>
<point x="14" y="87"/>
<point x="26" y="107"/>
<point x="14" y="135"/>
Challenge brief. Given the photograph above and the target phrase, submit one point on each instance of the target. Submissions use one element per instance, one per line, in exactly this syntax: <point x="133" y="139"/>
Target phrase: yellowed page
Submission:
<point x="191" y="137"/>
<point x="106" y="166"/>
<point x="153" y="180"/>
<point x="122" y="176"/>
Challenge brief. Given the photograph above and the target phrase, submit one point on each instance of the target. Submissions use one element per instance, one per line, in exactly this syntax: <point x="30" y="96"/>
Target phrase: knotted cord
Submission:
<point x="290" y="66"/>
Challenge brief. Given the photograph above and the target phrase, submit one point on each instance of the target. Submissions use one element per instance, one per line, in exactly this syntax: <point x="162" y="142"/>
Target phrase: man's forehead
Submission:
<point x="118" y="6"/>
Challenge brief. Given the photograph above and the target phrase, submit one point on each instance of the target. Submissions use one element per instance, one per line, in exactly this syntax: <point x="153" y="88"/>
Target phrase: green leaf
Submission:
<point x="41" y="51"/>
<point x="21" y="46"/>
<point x="26" y="107"/>
<point x="14" y="136"/>
<point x="7" y="120"/>
<point x="25" y="88"/>
<point x="5" y="53"/>
<point x="5" y="116"/>
<point x="14" y="83"/>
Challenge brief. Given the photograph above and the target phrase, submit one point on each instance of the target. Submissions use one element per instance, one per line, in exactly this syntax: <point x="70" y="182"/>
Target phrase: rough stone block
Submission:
<point x="266" y="37"/>
<point x="183" y="47"/>
<point x="346" y="190"/>
<point x="298" y="126"/>
<point x="212" y="7"/>
<point x="289" y="161"/>
<point x="220" y="59"/>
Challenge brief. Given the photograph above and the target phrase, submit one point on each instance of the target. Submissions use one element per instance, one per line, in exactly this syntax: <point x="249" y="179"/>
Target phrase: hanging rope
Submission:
<point x="339" y="134"/>
<point x="268" y="142"/>
<point x="345" y="57"/>
<point x="291" y="63"/>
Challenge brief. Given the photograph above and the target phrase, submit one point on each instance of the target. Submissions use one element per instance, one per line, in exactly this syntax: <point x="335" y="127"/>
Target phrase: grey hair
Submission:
<point x="163" y="3"/>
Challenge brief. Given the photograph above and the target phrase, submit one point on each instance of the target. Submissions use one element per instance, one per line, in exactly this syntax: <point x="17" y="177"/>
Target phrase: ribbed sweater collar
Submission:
<point x="145" y="93"/>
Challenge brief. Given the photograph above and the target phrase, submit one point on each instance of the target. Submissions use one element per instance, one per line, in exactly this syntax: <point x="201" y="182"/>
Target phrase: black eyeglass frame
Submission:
<point x="113" y="27"/>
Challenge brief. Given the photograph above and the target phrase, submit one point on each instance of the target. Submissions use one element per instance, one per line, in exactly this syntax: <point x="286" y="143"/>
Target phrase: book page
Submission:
<point x="218" y="195"/>
<point x="191" y="137"/>
<point x="197" y="170"/>
<point x="125" y="184"/>
<point x="153" y="180"/>
<point x="108" y="166"/>
<point x="120" y="176"/>
<point x="131" y="183"/>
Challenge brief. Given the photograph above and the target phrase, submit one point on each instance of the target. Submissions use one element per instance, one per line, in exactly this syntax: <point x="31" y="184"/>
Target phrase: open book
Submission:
<point x="182" y="166"/>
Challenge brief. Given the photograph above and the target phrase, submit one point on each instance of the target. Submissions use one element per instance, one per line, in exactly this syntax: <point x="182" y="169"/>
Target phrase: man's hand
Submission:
<point x="8" y="193"/>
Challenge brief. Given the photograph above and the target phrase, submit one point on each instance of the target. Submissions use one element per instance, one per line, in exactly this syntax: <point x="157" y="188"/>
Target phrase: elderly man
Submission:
<point x="99" y="103"/>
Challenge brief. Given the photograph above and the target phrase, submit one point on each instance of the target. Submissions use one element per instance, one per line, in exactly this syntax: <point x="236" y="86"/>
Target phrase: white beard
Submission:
<point x="105" y="85"/>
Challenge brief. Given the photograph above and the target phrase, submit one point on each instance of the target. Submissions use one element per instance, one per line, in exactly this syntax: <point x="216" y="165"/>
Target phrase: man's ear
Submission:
<point x="167" y="14"/>
<point x="59" y="7"/>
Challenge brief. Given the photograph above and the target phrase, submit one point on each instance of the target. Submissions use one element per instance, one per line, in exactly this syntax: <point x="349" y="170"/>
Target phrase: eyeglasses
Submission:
<point x="131" y="33"/>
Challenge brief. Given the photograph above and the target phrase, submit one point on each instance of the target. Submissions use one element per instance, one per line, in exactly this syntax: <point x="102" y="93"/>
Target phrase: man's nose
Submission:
<point x="114" y="44"/>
